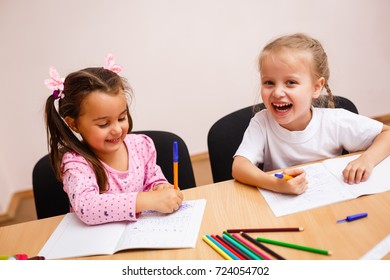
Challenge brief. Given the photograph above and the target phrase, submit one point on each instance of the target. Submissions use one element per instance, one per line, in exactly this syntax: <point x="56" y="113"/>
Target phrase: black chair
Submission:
<point x="163" y="142"/>
<point x="225" y="136"/>
<point x="51" y="200"/>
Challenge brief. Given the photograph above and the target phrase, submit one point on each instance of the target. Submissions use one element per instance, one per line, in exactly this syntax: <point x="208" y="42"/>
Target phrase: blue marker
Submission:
<point x="175" y="165"/>
<point x="353" y="217"/>
<point x="283" y="176"/>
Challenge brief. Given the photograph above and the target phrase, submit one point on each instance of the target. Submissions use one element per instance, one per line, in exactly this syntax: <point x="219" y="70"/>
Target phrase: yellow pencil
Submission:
<point x="215" y="247"/>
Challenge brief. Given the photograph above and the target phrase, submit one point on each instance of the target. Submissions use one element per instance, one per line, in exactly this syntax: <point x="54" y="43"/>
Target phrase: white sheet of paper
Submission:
<point x="326" y="186"/>
<point x="379" y="250"/>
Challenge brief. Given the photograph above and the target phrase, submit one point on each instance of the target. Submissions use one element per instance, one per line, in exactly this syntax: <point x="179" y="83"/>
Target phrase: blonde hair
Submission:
<point x="319" y="61"/>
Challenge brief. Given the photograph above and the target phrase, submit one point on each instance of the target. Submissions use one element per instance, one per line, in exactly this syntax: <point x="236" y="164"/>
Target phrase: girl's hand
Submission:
<point x="162" y="186"/>
<point x="164" y="200"/>
<point x="296" y="185"/>
<point x="357" y="171"/>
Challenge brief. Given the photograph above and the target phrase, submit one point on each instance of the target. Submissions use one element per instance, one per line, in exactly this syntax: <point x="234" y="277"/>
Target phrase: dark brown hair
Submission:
<point x="60" y="137"/>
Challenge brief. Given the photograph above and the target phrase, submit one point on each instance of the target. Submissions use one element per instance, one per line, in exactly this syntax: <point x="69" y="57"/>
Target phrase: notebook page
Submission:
<point x="376" y="183"/>
<point x="156" y="230"/>
<point x="73" y="238"/>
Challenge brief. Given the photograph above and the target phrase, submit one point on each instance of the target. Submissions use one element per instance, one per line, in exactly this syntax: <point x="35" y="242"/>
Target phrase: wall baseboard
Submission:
<point x="384" y="118"/>
<point x="200" y="157"/>
<point x="14" y="204"/>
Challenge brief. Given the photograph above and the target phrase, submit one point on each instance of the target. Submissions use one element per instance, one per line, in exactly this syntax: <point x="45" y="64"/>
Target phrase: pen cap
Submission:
<point x="175" y="151"/>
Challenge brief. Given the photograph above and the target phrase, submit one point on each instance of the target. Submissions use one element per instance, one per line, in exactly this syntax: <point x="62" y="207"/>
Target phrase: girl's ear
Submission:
<point x="71" y="123"/>
<point x="318" y="86"/>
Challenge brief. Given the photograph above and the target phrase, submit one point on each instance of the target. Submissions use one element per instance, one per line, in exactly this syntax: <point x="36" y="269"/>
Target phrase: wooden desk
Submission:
<point x="233" y="205"/>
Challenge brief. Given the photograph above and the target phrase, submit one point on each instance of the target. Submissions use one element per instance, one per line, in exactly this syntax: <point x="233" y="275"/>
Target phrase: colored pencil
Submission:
<point x="227" y="246"/>
<point x="215" y="247"/>
<point x="262" y="246"/>
<point x="265" y="229"/>
<point x="222" y="247"/>
<point x="238" y="250"/>
<point x="251" y="254"/>
<point x="261" y="254"/>
<point x="294" y="246"/>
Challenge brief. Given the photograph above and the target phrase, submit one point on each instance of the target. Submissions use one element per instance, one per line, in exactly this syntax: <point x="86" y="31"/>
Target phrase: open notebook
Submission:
<point x="73" y="238"/>
<point x="326" y="186"/>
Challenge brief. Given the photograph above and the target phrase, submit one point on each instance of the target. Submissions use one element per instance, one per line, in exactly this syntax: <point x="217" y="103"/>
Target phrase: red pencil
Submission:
<point x="220" y="239"/>
<point x="264" y="229"/>
<point x="261" y="254"/>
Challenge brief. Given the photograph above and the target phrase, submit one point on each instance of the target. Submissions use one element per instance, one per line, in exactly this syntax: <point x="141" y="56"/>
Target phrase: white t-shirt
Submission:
<point x="328" y="133"/>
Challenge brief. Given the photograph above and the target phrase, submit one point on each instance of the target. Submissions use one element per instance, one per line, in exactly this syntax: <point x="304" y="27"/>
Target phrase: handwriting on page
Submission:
<point x="324" y="188"/>
<point x="158" y="229"/>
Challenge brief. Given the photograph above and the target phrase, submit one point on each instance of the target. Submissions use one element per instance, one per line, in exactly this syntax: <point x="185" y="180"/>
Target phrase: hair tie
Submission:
<point x="109" y="64"/>
<point x="56" y="83"/>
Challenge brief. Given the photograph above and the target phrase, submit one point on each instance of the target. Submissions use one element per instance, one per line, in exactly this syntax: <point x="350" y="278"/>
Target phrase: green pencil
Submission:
<point x="241" y="246"/>
<point x="294" y="246"/>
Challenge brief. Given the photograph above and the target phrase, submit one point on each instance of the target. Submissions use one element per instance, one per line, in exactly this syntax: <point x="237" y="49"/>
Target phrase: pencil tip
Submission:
<point x="301" y="229"/>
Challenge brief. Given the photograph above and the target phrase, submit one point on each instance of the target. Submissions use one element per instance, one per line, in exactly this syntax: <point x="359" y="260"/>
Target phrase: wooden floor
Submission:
<point x="25" y="210"/>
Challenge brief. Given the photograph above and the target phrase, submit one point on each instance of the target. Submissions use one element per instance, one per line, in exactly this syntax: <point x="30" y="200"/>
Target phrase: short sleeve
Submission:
<point x="253" y="143"/>
<point x="357" y="132"/>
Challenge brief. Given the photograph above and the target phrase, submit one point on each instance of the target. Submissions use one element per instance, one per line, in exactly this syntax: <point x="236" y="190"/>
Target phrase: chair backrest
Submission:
<point x="225" y="136"/>
<point x="340" y="102"/>
<point x="51" y="199"/>
<point x="223" y="140"/>
<point x="163" y="142"/>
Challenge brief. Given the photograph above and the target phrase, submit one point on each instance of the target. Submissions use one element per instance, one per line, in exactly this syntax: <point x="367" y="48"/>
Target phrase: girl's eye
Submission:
<point x="291" y="83"/>
<point x="103" y="125"/>
<point x="122" y="119"/>
<point x="268" y="83"/>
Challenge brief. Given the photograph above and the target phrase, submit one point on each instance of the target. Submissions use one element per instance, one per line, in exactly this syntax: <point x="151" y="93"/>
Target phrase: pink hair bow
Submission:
<point x="56" y="83"/>
<point x="110" y="64"/>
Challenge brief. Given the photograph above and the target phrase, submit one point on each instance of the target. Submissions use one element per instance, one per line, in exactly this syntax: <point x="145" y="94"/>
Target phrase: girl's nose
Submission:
<point x="117" y="128"/>
<point x="278" y="92"/>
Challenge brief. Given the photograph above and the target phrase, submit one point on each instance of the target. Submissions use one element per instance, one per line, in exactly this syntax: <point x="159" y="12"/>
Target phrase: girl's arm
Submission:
<point x="246" y="172"/>
<point x="359" y="170"/>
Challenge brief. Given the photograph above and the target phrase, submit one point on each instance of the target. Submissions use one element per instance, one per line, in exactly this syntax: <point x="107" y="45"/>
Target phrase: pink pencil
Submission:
<point x="250" y="246"/>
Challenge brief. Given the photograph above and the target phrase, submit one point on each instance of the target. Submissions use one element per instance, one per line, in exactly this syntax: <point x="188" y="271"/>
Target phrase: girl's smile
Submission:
<point x="114" y="141"/>
<point x="282" y="108"/>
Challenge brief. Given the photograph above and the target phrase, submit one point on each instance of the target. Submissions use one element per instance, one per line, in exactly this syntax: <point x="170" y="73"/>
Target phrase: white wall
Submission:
<point x="189" y="62"/>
